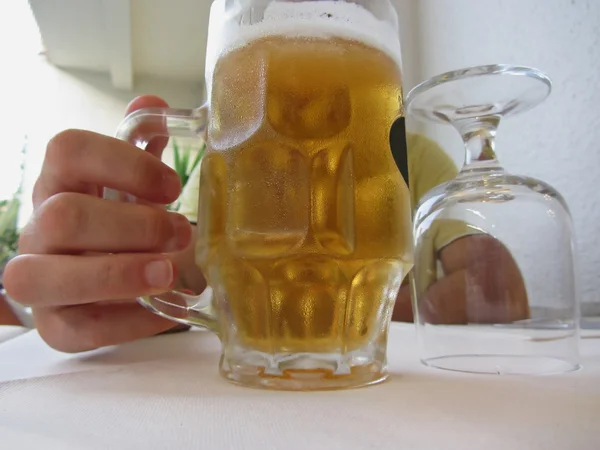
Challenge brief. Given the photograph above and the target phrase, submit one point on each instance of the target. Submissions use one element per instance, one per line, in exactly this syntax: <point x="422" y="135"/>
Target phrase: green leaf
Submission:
<point x="176" y="158"/>
<point x="198" y="158"/>
<point x="9" y="211"/>
<point x="9" y="216"/>
<point x="185" y="160"/>
<point x="184" y="164"/>
<point x="9" y="235"/>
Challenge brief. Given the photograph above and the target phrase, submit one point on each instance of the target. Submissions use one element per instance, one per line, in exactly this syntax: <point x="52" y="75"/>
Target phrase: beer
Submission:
<point x="305" y="231"/>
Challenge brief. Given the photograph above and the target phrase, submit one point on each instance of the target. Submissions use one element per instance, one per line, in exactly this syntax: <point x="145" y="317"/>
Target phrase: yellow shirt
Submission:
<point x="428" y="167"/>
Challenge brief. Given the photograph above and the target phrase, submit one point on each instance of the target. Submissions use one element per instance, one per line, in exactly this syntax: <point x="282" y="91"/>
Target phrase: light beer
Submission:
<point x="305" y="230"/>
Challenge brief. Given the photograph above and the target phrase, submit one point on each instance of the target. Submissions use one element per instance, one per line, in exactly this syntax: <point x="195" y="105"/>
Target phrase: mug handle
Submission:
<point x="139" y="128"/>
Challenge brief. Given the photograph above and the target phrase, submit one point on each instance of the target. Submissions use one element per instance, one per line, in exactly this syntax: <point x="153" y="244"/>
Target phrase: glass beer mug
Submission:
<point x="304" y="221"/>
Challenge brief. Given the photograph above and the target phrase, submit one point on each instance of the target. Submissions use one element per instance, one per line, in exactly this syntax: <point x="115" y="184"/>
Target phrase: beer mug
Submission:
<point x="304" y="220"/>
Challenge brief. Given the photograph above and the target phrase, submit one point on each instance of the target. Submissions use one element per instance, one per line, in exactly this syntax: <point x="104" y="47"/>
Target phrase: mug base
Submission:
<point x="304" y="372"/>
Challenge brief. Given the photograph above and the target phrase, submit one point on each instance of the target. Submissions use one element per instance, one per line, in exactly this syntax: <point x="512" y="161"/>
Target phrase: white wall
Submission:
<point x="409" y="30"/>
<point x="559" y="141"/>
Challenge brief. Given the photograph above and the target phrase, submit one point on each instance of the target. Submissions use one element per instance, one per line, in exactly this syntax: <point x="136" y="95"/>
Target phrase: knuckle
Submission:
<point x="149" y="174"/>
<point x="156" y="229"/>
<point x="143" y="170"/>
<point x="109" y="275"/>
<point x="59" y="219"/>
<point x="62" y="146"/>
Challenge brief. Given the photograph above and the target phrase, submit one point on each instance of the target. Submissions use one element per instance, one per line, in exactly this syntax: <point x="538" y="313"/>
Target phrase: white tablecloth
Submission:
<point x="165" y="393"/>
<point x="8" y="332"/>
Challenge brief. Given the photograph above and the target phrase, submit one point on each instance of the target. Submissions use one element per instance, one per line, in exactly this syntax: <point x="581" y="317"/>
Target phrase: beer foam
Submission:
<point x="303" y="19"/>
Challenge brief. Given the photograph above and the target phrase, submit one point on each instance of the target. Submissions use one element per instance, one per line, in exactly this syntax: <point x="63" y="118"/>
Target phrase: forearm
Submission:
<point x="403" y="311"/>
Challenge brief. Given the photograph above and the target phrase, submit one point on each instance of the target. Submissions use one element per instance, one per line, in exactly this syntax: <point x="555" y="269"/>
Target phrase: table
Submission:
<point x="165" y="393"/>
<point x="8" y="332"/>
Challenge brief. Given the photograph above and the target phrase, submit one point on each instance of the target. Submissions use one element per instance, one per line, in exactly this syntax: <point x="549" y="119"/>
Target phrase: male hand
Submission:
<point x="84" y="259"/>
<point x="482" y="284"/>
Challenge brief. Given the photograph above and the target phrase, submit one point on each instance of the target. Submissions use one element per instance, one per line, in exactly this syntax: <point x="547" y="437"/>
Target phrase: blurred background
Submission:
<point x="77" y="63"/>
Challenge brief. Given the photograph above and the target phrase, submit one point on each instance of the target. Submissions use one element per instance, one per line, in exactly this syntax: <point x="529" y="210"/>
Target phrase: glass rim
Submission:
<point x="477" y="71"/>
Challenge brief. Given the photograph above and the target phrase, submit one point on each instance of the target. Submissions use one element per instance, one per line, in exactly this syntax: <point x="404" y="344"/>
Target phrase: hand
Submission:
<point x="83" y="259"/>
<point x="482" y="284"/>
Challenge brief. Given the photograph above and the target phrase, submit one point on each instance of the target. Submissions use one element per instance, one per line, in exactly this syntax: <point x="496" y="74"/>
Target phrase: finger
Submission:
<point x="70" y="280"/>
<point x="76" y="159"/>
<point x="445" y="301"/>
<point x="145" y="101"/>
<point x="72" y="223"/>
<point x="86" y="327"/>
<point x="157" y="144"/>
<point x="494" y="287"/>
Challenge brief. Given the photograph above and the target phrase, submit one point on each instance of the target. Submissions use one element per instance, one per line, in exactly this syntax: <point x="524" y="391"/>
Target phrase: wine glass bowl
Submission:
<point x="494" y="286"/>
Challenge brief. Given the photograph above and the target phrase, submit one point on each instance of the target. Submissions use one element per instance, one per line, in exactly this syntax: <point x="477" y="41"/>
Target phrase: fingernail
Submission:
<point x="159" y="274"/>
<point x="182" y="233"/>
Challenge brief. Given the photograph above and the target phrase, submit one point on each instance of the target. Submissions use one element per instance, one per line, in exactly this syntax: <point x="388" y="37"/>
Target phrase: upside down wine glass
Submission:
<point x="494" y="282"/>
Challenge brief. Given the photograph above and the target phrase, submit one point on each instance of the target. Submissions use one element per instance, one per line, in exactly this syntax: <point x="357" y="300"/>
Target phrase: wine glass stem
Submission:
<point x="479" y="137"/>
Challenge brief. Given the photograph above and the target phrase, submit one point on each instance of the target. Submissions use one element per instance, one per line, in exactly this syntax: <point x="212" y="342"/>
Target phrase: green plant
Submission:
<point x="185" y="162"/>
<point x="9" y="215"/>
<point x="9" y="234"/>
<point x="184" y="165"/>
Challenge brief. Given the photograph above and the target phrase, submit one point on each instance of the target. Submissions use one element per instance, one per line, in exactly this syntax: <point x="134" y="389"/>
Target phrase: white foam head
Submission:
<point x="317" y="19"/>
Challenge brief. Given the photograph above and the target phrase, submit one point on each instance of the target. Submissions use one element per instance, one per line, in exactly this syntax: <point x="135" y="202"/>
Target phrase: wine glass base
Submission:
<point x="477" y="92"/>
<point x="502" y="364"/>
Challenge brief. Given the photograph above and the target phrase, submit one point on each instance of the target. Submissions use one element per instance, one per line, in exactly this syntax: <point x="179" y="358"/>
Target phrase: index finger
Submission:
<point x="77" y="159"/>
